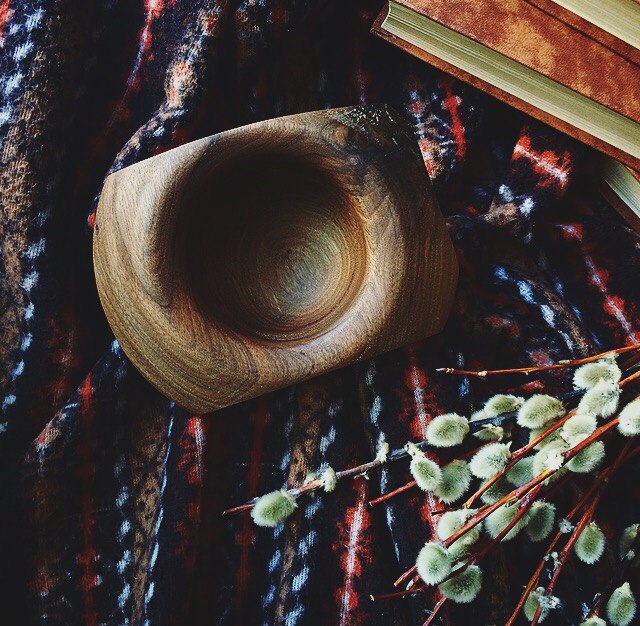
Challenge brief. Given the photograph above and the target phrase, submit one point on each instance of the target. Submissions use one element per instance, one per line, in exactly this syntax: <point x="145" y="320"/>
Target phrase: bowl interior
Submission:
<point x="272" y="245"/>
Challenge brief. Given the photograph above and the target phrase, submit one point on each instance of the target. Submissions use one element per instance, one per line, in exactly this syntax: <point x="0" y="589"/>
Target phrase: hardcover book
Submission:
<point x="573" y="64"/>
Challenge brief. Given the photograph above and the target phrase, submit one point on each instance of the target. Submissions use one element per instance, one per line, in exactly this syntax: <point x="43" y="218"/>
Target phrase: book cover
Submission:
<point x="523" y="32"/>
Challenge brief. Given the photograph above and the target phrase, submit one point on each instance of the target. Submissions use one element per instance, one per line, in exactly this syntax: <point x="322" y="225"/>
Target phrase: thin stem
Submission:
<point x="516" y="456"/>
<point x="523" y="507"/>
<point x="479" y="516"/>
<point x="596" y="434"/>
<point x="401" y="453"/>
<point x="397" y="594"/>
<point x="435" y="610"/>
<point x="587" y="516"/>
<point x="520" y="491"/>
<point x="354" y="472"/>
<point x="533" y="581"/>
<point x="296" y="491"/>
<point x="569" y="454"/>
<point x="395" y="492"/>
<point x="313" y="485"/>
<point x="413" y="483"/>
<point x="540" y="368"/>
<point x="614" y="582"/>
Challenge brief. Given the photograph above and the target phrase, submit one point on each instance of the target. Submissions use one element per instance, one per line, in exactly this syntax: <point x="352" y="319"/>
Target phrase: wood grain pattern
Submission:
<point x="264" y="255"/>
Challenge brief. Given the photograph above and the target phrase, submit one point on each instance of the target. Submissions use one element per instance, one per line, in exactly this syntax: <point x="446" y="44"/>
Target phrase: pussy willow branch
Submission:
<point x="412" y="483"/>
<point x="476" y="519"/>
<point x="603" y="476"/>
<point x="402" y="453"/>
<point x="473" y="559"/>
<point x="515" y="457"/>
<point x="620" y="572"/>
<point x="517" y="493"/>
<point x="518" y="454"/>
<point x="535" y="577"/>
<point x="540" y="368"/>
<point x="523" y="507"/>
<point x="587" y="516"/>
<point x="615" y="581"/>
<point x="434" y="611"/>
<point x="361" y="470"/>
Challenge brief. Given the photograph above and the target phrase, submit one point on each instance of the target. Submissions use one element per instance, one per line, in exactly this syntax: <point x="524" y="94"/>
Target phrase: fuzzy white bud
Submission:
<point x="587" y="460"/>
<point x="589" y="375"/>
<point x="433" y="563"/>
<point x="500" y="519"/>
<point x="601" y="400"/>
<point x="273" y="508"/>
<point x="539" y="410"/>
<point x="621" y="607"/>
<point x="578" y="425"/>
<point x="590" y="544"/>
<point x="329" y="479"/>
<point x="539" y="521"/>
<point x="490" y="460"/>
<point x="502" y="403"/>
<point x="445" y="431"/>
<point x="629" y="419"/>
<point x="464" y="587"/>
<point x="455" y="478"/>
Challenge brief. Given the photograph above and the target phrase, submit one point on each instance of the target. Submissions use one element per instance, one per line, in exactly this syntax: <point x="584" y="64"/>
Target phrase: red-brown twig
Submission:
<point x="363" y="469"/>
<point x="517" y="493"/>
<point x="410" y="485"/>
<point x="313" y="485"/>
<point x="603" y="477"/>
<point x="518" y="454"/>
<point x="482" y="514"/>
<point x="398" y="594"/>
<point x="533" y="581"/>
<point x="354" y="472"/>
<point x="413" y="483"/>
<point x="585" y="519"/>
<point x="540" y="368"/>
<point x="435" y="610"/>
<point x="564" y="554"/>
<point x="523" y="507"/>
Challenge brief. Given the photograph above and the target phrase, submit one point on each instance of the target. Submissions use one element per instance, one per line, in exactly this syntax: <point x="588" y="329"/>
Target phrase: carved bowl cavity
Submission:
<point x="273" y="246"/>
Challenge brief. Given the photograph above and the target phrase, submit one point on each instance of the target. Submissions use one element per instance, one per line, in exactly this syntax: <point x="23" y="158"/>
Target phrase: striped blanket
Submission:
<point x="111" y="495"/>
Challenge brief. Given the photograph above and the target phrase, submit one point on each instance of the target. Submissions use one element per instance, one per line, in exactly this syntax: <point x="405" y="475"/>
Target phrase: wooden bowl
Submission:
<point x="261" y="256"/>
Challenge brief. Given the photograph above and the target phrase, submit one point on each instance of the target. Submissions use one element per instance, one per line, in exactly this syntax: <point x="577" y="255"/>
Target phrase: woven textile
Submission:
<point x="111" y="496"/>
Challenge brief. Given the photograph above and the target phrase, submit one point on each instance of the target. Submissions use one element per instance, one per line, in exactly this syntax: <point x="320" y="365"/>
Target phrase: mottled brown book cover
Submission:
<point x="602" y="36"/>
<point x="539" y="40"/>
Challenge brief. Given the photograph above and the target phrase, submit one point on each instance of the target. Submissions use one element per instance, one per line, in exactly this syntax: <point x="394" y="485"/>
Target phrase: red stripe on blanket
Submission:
<point x="356" y="553"/>
<point x="552" y="168"/>
<point x="417" y="405"/>
<point x="5" y="14"/>
<point x="246" y="536"/>
<point x="87" y="557"/>
<point x="451" y="103"/>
